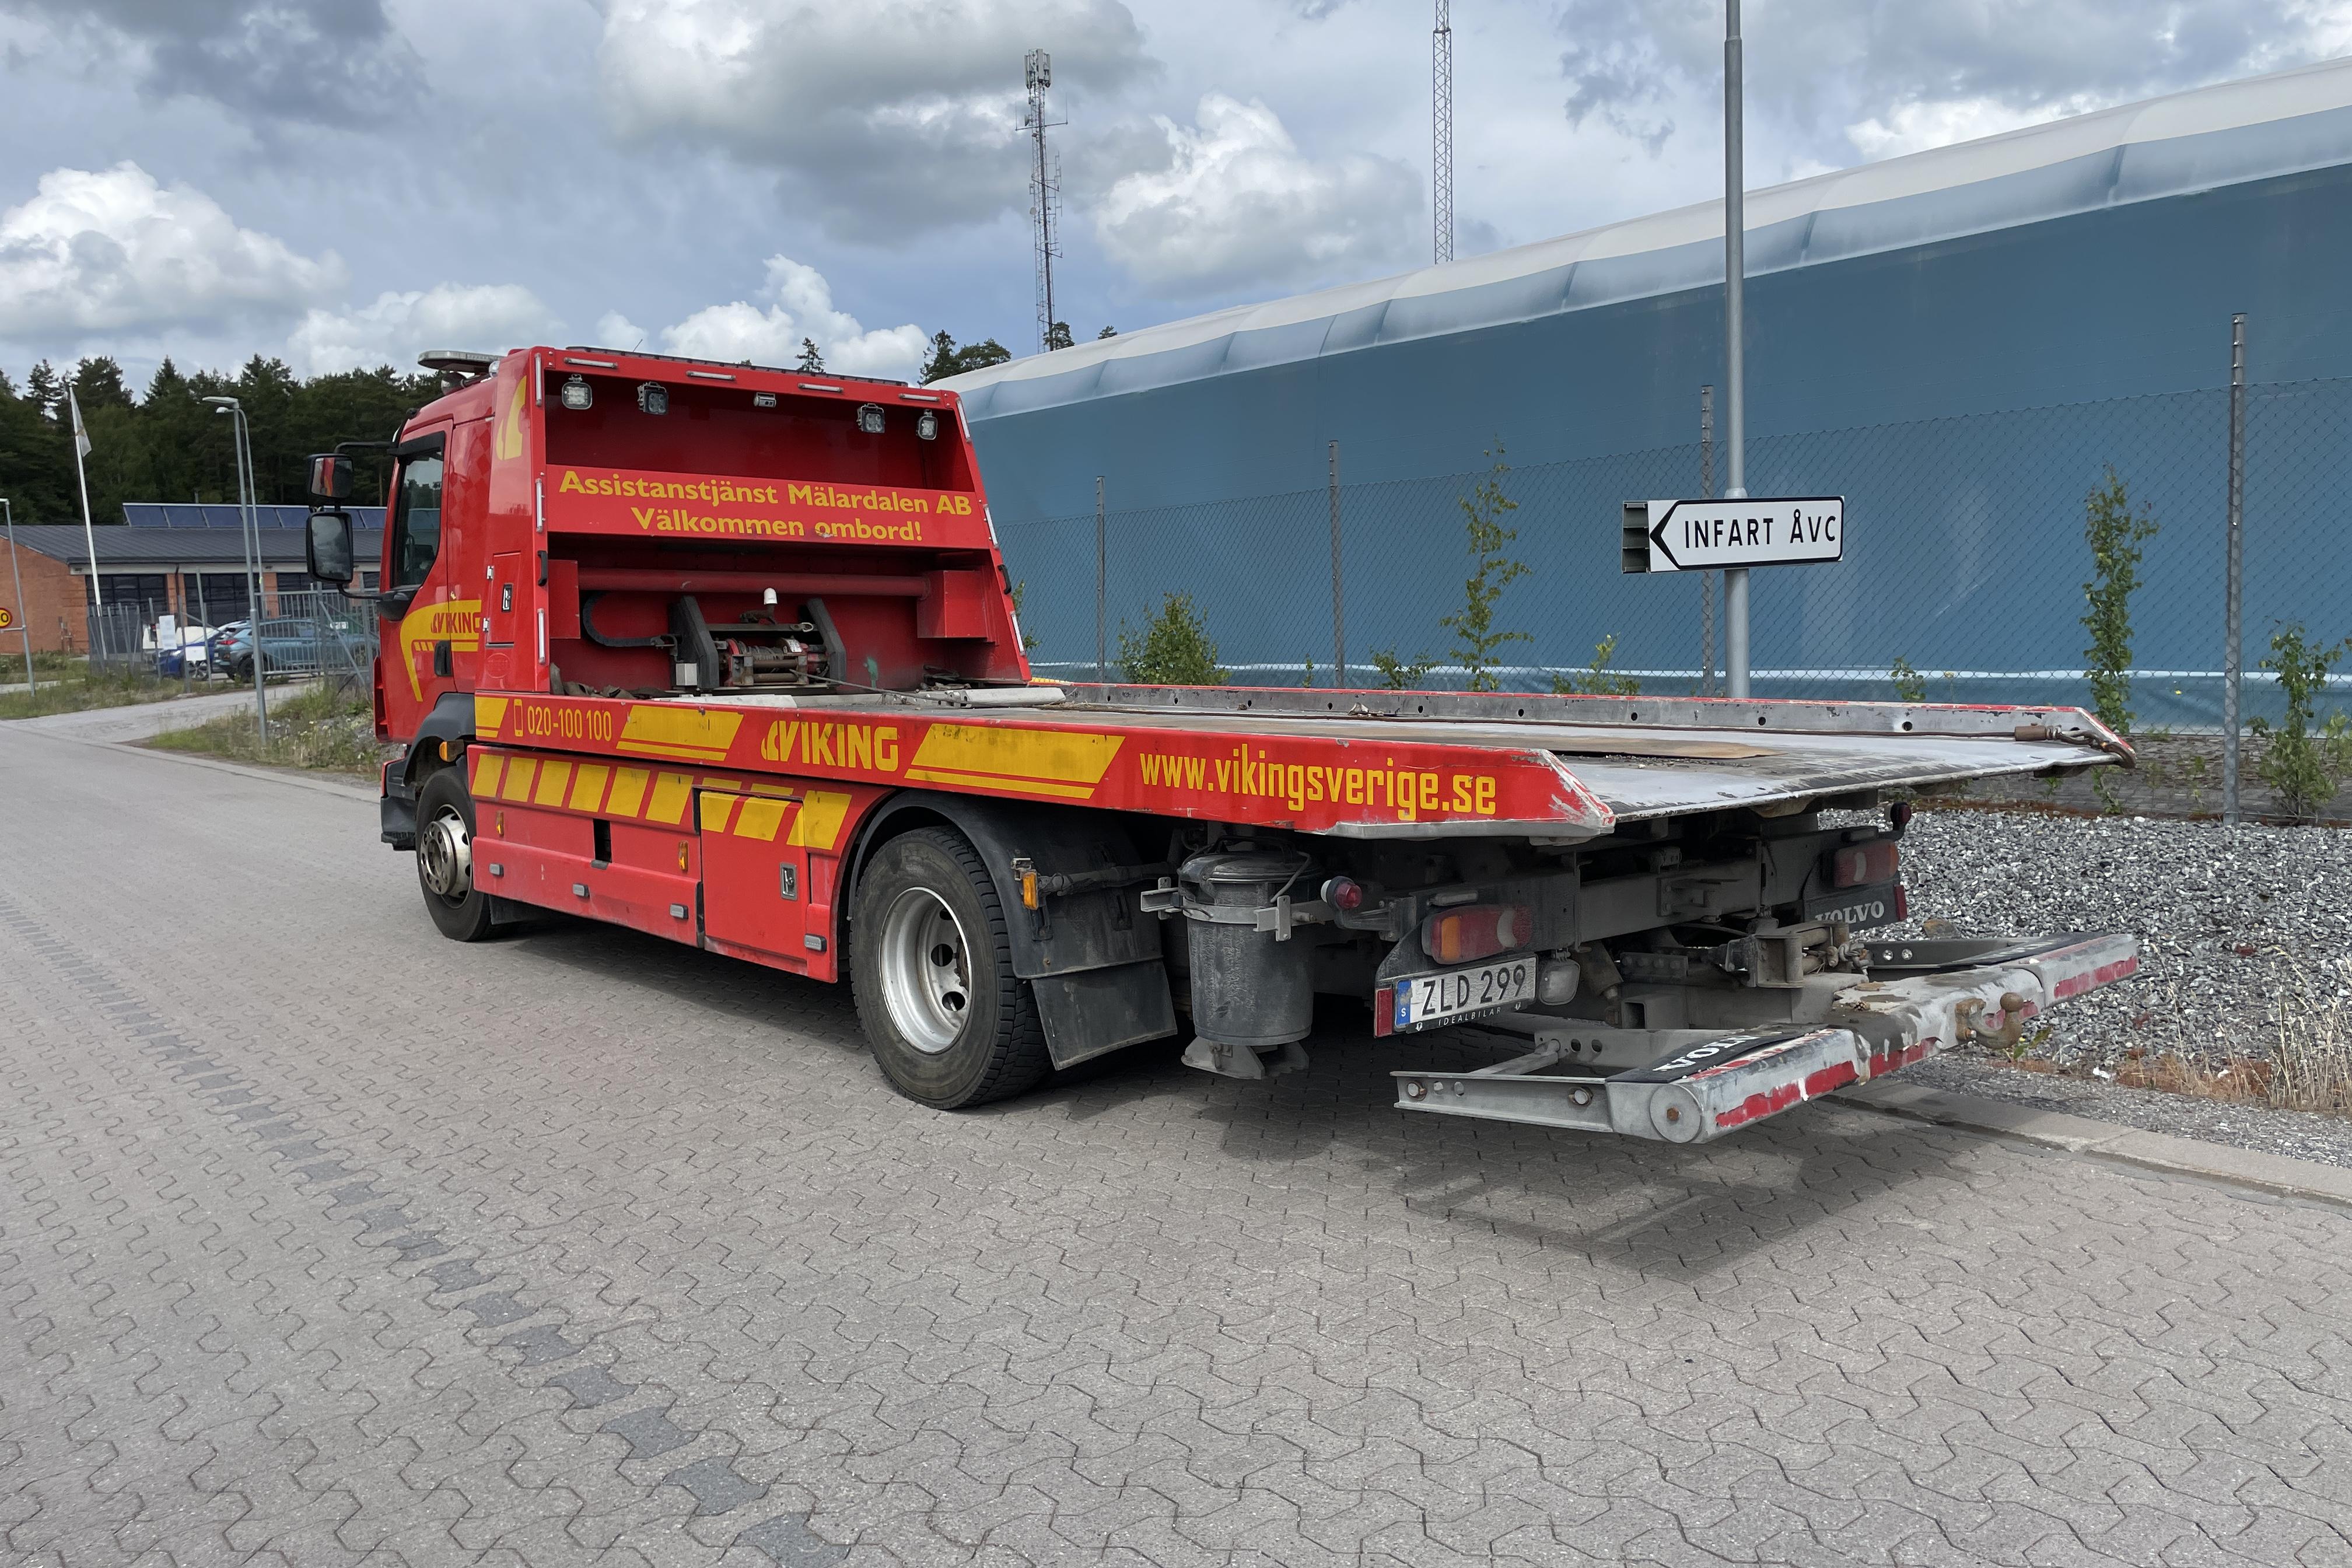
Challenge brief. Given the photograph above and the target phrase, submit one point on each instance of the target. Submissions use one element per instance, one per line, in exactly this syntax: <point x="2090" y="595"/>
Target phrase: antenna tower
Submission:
<point x="1440" y="132"/>
<point x="1045" y="188"/>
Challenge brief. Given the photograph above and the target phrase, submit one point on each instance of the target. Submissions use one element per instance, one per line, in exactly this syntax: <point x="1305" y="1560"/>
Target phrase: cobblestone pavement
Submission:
<point x="324" y="1240"/>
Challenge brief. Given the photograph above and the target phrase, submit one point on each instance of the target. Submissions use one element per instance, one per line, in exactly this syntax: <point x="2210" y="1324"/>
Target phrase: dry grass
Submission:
<point x="2309" y="1068"/>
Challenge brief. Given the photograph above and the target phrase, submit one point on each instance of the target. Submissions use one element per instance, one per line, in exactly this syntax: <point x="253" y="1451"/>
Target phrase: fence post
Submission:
<point x="1707" y="579"/>
<point x="1338" y="617"/>
<point x="1102" y="590"/>
<point x="2234" y="591"/>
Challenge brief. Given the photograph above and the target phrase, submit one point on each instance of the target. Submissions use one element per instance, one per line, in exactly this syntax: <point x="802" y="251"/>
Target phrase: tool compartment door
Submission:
<point x="756" y="895"/>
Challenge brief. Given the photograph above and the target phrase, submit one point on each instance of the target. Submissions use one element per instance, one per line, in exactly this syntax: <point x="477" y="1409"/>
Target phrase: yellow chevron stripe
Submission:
<point x="759" y="819"/>
<point x="588" y="787"/>
<point x="818" y="824"/>
<point x="628" y="791"/>
<point x="671" y="792"/>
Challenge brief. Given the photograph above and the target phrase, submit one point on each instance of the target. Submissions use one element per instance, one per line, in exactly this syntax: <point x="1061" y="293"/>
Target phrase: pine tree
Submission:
<point x="44" y="389"/>
<point x="811" y="360"/>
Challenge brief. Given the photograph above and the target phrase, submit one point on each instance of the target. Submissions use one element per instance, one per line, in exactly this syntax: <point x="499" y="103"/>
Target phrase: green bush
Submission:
<point x="1478" y="645"/>
<point x="1173" y="648"/>
<point x="1910" y="685"/>
<point x="1400" y="674"/>
<point x="2114" y="536"/>
<point x="1597" y="679"/>
<point x="2304" y="768"/>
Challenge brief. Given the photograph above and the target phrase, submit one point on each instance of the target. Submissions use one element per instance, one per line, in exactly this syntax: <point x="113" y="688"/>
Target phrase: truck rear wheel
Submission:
<point x="931" y="963"/>
<point x="444" y="858"/>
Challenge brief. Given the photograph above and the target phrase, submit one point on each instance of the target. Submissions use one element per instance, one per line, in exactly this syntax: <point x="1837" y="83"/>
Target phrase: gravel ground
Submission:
<point x="2234" y="924"/>
<point x="2225" y="917"/>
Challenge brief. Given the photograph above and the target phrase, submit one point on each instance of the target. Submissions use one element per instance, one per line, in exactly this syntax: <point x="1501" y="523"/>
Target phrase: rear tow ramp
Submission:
<point x="1688" y="1086"/>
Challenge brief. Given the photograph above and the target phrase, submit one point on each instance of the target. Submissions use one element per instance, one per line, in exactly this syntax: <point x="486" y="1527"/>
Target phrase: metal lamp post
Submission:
<point x="250" y="526"/>
<point x="1734" y="402"/>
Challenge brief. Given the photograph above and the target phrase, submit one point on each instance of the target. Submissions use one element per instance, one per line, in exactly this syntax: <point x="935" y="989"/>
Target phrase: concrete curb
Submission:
<point x="326" y="783"/>
<point x="2267" y="1173"/>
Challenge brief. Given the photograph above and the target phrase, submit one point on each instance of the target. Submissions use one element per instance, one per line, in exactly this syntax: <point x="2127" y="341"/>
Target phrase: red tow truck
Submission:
<point x="729" y="654"/>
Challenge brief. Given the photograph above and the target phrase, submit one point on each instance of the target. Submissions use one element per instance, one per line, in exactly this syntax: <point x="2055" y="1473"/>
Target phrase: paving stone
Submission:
<point x="716" y="1487"/>
<point x="649" y="1433"/>
<point x="1140" y="1316"/>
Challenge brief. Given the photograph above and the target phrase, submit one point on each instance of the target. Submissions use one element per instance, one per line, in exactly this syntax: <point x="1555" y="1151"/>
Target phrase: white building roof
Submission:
<point x="2227" y="134"/>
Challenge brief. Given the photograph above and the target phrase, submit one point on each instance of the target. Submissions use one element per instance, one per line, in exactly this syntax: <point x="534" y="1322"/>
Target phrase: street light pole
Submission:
<point x="250" y="527"/>
<point x="24" y="622"/>
<point x="1735" y="312"/>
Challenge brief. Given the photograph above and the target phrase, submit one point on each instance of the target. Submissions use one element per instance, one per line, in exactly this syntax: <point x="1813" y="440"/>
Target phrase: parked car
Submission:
<point x="216" y="648"/>
<point x="294" y="647"/>
<point x="183" y="645"/>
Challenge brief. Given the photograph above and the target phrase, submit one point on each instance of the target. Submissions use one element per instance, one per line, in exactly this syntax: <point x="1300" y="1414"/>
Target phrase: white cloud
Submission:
<point x="896" y="115"/>
<point x="799" y="304"/>
<point x="114" y="252"/>
<point x="615" y="331"/>
<point x="1828" y="79"/>
<point x="399" y="326"/>
<point x="1240" y="205"/>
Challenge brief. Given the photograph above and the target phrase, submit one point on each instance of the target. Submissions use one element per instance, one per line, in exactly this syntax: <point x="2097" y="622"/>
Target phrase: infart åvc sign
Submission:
<point x="1710" y="535"/>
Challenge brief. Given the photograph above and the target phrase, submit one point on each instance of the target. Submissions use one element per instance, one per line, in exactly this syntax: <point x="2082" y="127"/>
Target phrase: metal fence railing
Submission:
<point x="311" y="635"/>
<point x="1965" y="560"/>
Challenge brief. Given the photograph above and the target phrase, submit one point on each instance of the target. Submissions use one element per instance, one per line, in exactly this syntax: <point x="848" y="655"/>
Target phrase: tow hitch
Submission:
<point x="1694" y="1085"/>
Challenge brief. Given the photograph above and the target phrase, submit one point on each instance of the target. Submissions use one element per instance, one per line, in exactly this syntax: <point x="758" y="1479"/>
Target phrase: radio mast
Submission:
<point x="1045" y="189"/>
<point x="1440" y="132"/>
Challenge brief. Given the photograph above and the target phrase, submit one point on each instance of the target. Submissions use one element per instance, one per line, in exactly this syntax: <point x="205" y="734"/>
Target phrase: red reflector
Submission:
<point x="1475" y="932"/>
<point x="1384" y="1010"/>
<point x="1344" y="894"/>
<point x="1860" y="865"/>
<point x="1902" y="902"/>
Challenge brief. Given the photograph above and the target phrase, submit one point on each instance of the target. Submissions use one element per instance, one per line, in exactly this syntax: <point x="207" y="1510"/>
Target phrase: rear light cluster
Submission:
<point x="1863" y="865"/>
<point x="1475" y="932"/>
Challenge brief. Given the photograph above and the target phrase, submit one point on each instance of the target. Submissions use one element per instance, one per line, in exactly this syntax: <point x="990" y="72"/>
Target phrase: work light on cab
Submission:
<point x="927" y="425"/>
<point x="869" y="418"/>
<point x="653" y="397"/>
<point x="577" y="394"/>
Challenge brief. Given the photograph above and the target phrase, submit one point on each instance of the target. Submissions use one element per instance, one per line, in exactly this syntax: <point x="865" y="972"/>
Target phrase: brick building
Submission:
<point x="181" y="559"/>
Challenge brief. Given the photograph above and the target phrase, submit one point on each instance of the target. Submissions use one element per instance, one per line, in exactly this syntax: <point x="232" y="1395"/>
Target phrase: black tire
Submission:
<point x="953" y="1032"/>
<point x="463" y="915"/>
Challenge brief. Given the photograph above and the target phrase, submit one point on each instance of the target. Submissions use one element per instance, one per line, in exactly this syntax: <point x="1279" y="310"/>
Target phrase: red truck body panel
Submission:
<point x="545" y="509"/>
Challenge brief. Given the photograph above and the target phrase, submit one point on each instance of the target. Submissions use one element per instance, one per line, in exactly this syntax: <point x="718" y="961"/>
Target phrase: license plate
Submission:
<point x="1425" y="1001"/>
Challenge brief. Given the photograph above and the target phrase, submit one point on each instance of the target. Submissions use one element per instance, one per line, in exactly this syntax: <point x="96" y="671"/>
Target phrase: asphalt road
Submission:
<point x="325" y="1240"/>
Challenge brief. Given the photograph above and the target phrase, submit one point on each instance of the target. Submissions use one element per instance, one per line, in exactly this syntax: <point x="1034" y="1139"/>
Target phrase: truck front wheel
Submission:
<point x="931" y="964"/>
<point x="444" y="858"/>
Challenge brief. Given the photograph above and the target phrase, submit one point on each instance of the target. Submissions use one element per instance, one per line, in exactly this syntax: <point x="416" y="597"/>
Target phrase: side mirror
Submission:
<point x="330" y="544"/>
<point x="331" y="479"/>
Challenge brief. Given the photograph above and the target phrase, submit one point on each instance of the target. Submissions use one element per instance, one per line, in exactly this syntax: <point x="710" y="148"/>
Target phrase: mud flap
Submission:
<point x="1098" y="1010"/>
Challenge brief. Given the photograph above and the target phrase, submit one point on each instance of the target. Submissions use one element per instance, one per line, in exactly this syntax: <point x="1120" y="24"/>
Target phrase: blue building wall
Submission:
<point x="1964" y="394"/>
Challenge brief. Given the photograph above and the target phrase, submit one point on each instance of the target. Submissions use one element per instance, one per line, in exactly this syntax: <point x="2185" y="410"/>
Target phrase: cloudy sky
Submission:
<point x="345" y="182"/>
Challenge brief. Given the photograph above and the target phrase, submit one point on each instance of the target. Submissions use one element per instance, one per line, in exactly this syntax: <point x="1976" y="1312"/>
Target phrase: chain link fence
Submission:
<point x="1965" y="560"/>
